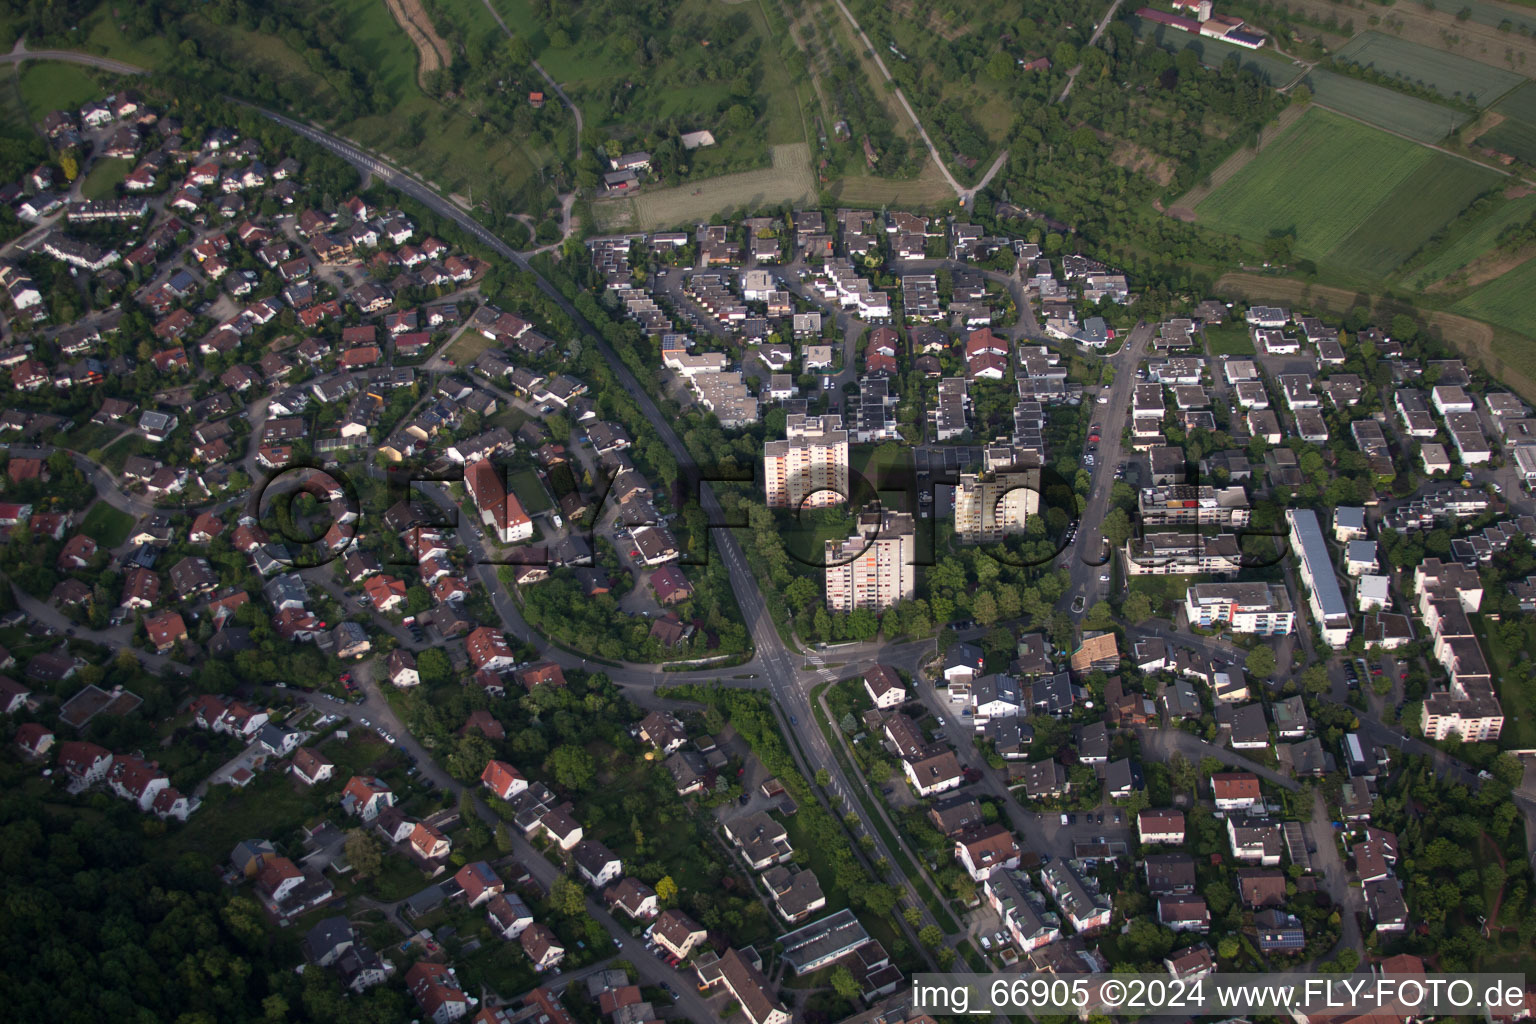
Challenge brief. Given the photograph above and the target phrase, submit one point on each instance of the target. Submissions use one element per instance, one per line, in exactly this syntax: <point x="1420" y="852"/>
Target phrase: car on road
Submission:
<point x="1103" y="577"/>
<point x="793" y="720"/>
<point x="1064" y="819"/>
<point x="1071" y="819"/>
<point x="744" y="799"/>
<point x="1377" y="670"/>
<point x="1103" y="399"/>
<point x="346" y="677"/>
<point x="1078" y="605"/>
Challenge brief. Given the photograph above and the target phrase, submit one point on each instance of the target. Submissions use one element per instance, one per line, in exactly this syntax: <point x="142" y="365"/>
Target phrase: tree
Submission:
<point x="843" y="982"/>
<point x="1227" y="948"/>
<point x="1117" y="527"/>
<point x="568" y="897"/>
<point x="666" y="889"/>
<point x="1100" y="616"/>
<point x="930" y="936"/>
<point x="823" y="778"/>
<point x="913" y="916"/>
<point x="433" y="666"/>
<point x="1138" y="607"/>
<point x="571" y="766"/>
<point x="363" y="852"/>
<point x="1314" y="680"/>
<point x="984" y="608"/>
<point x="1261" y="663"/>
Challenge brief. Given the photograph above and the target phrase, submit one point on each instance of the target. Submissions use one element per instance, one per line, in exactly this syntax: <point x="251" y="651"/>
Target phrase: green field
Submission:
<point x="1517" y="138"/>
<point x="530" y="490"/>
<point x="102" y="179"/>
<point x="1470" y="240"/>
<point x="1383" y="107"/>
<point x="1509" y="301"/>
<point x="1516" y="134"/>
<point x="1451" y="76"/>
<point x="1329" y="177"/>
<point x="1231" y="339"/>
<point x="1426" y="202"/>
<point x="47" y="86"/>
<point x="106" y="525"/>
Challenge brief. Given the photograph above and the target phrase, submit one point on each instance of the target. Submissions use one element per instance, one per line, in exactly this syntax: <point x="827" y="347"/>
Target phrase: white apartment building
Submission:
<point x="810" y="467"/>
<point x="1323" y="594"/>
<point x="1260" y="608"/>
<point x="873" y="568"/>
<point x="990" y="506"/>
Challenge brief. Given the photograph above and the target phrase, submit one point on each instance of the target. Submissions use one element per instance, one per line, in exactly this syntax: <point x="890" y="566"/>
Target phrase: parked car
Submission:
<point x="986" y="943"/>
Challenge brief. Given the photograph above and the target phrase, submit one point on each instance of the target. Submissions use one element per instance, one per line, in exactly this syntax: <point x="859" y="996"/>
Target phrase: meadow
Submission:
<point x="1449" y="75"/>
<point x="1470" y="239"/>
<point x="1508" y="300"/>
<point x="1320" y="182"/>
<point x="1383" y="107"/>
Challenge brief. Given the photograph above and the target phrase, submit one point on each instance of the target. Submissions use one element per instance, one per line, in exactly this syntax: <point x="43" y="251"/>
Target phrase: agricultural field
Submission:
<point x="1508" y="301"/>
<point x="1383" y="107"/>
<point x="1432" y="197"/>
<point x="1515" y="133"/>
<point x="1451" y="76"/>
<point x="1469" y="239"/>
<point x="1329" y="177"/>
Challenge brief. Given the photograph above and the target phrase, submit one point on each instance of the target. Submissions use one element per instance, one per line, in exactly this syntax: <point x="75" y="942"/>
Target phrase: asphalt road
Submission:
<point x="1086" y="560"/>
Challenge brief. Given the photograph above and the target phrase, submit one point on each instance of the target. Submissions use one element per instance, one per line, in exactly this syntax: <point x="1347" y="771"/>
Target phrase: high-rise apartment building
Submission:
<point x="809" y="469"/>
<point x="873" y="568"/>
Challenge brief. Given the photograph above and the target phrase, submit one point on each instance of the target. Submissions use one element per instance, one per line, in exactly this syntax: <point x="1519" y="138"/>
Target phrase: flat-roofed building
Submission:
<point x="1323" y="594"/>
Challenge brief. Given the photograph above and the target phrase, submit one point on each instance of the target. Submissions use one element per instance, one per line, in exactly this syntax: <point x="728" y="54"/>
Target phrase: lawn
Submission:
<point x="1508" y="300"/>
<point x="1519" y="705"/>
<point x="1452" y="76"/>
<point x="106" y="525"/>
<point x="117" y="452"/>
<point x="1166" y="592"/>
<point x="47" y="86"/>
<point x="272" y="805"/>
<point x="102" y="179"/>
<point x="467" y="347"/>
<point x="1470" y="238"/>
<point x="1384" y="107"/>
<point x="1318" y="183"/>
<point x="1231" y="339"/>
<point x="88" y="436"/>
<point x="1432" y="197"/>
<point x="530" y="491"/>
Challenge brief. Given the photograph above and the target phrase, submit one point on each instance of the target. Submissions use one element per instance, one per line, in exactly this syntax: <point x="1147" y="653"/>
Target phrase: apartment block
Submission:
<point x="810" y="467"/>
<point x="1263" y="609"/>
<point x="988" y="506"/>
<point x="873" y="568"/>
